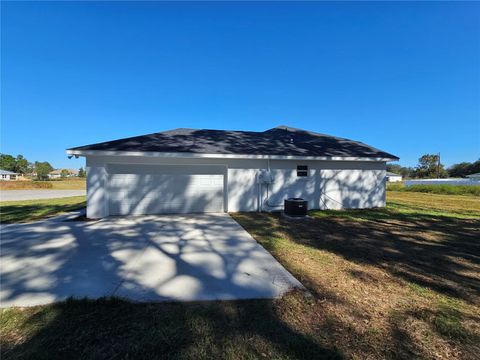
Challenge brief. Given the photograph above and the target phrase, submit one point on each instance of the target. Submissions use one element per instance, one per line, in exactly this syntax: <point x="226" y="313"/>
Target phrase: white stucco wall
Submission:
<point x="97" y="206"/>
<point x="330" y="184"/>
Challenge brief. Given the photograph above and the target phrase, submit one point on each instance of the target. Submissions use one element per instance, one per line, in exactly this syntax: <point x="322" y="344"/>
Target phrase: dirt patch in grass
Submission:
<point x="31" y="210"/>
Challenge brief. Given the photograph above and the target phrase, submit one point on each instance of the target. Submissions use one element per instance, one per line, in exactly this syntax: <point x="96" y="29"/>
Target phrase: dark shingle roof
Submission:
<point x="282" y="140"/>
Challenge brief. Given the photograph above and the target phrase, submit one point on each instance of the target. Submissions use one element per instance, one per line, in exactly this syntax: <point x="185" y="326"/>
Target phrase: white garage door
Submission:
<point x="166" y="189"/>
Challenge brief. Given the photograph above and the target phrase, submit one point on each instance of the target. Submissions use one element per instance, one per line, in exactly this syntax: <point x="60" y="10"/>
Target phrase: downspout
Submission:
<point x="259" y="195"/>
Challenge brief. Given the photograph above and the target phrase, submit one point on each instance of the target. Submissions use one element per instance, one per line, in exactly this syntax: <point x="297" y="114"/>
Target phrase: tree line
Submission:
<point x="21" y="165"/>
<point x="429" y="166"/>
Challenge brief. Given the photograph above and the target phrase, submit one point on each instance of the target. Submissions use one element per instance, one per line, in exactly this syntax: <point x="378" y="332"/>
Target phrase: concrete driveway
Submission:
<point x="19" y="195"/>
<point x="144" y="258"/>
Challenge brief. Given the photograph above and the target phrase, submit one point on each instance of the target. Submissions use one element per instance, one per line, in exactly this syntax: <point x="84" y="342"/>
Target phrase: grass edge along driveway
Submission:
<point x="32" y="210"/>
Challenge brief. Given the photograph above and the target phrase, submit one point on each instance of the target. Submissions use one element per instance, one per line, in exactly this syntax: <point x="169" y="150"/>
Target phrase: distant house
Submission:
<point x="391" y="177"/>
<point x="474" y="177"/>
<point x="56" y="174"/>
<point x="6" y="175"/>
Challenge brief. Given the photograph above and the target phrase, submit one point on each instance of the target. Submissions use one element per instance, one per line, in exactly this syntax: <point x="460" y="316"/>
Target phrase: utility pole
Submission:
<point x="438" y="166"/>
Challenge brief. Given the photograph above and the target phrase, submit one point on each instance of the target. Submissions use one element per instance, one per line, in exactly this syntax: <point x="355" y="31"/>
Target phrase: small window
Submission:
<point x="302" y="170"/>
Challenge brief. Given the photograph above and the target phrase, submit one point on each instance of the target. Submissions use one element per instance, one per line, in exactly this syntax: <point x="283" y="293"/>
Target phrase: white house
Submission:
<point x="188" y="170"/>
<point x="56" y="174"/>
<point x="474" y="177"/>
<point x="6" y="175"/>
<point x="392" y="177"/>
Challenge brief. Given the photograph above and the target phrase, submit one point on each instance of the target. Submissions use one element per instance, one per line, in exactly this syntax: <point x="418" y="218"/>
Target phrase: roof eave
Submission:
<point x="77" y="152"/>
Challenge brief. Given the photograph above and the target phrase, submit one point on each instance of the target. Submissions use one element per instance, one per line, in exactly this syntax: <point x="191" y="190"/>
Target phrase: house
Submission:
<point x="6" y="175"/>
<point x="392" y="177"/>
<point x="56" y="174"/>
<point x="474" y="177"/>
<point x="191" y="171"/>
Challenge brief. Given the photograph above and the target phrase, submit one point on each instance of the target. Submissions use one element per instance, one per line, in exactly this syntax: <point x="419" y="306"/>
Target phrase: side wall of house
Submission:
<point x="330" y="184"/>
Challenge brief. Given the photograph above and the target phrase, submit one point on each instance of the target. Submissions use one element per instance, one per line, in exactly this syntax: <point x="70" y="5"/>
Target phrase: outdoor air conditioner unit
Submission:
<point x="296" y="207"/>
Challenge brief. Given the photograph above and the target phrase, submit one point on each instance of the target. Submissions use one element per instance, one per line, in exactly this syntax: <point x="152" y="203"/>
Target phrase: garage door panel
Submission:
<point x="157" y="193"/>
<point x="165" y="169"/>
<point x="120" y="180"/>
<point x="156" y="206"/>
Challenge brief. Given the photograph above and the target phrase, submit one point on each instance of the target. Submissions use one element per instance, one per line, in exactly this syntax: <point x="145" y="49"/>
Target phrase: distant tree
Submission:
<point x="42" y="169"/>
<point x="10" y="163"/>
<point x="30" y="168"/>
<point x="429" y="167"/>
<point x="81" y="173"/>
<point x="64" y="173"/>
<point x="459" y="170"/>
<point x="474" y="168"/>
<point x="21" y="165"/>
<point x="394" y="168"/>
<point x="406" y="172"/>
<point x="7" y="162"/>
<point x="464" y="168"/>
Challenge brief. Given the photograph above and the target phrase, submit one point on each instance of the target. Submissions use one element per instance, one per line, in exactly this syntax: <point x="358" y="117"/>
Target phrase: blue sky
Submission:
<point x="401" y="76"/>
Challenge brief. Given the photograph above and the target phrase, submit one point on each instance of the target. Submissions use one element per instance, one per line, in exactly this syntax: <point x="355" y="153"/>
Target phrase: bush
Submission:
<point x="397" y="186"/>
<point x="445" y="189"/>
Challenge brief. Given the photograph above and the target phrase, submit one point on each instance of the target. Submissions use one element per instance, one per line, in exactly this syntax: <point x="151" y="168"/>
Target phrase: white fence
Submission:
<point x="441" y="182"/>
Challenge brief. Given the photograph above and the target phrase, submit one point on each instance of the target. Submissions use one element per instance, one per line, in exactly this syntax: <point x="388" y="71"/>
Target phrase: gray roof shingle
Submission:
<point x="281" y="140"/>
<point x="6" y="172"/>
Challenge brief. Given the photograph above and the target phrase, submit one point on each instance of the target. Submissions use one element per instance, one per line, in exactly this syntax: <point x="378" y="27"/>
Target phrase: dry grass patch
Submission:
<point x="66" y="184"/>
<point x="25" y="185"/>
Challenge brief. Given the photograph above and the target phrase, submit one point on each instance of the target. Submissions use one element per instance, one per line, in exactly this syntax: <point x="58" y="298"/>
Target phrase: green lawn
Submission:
<point x="31" y="210"/>
<point x="400" y="282"/>
<point x="409" y="205"/>
<point x="442" y="189"/>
